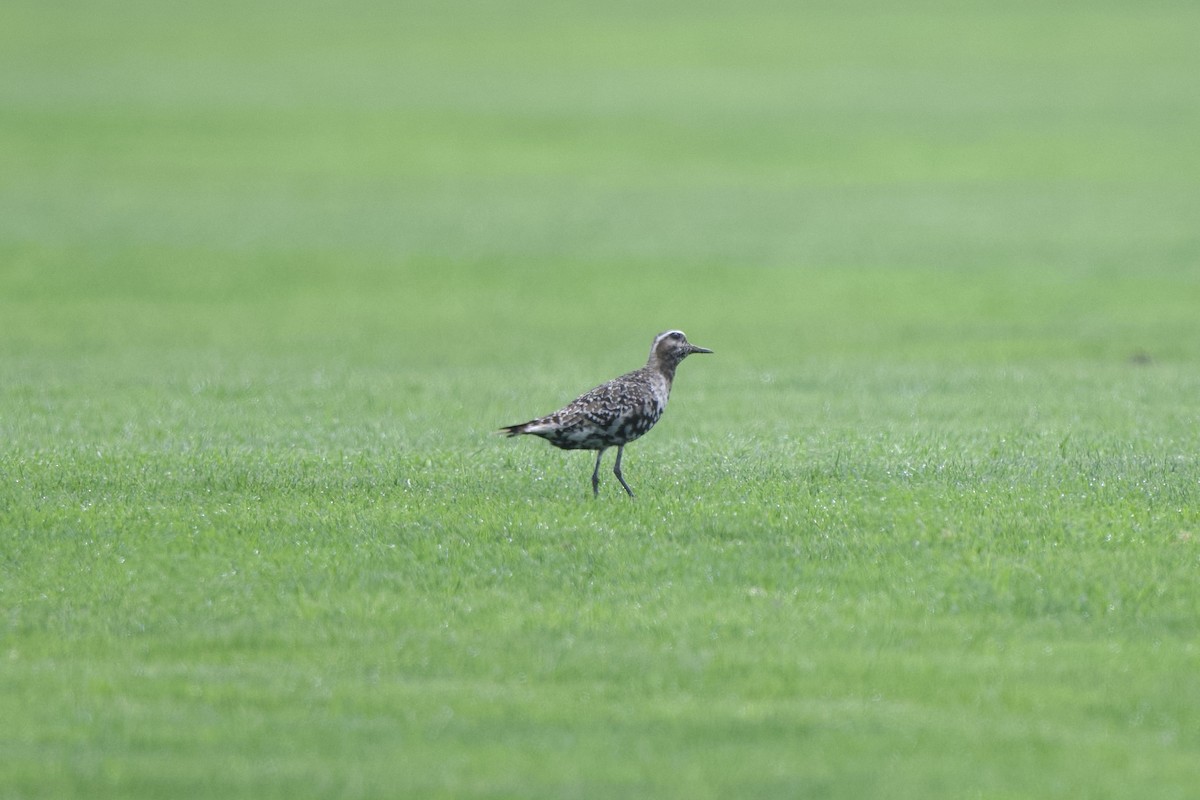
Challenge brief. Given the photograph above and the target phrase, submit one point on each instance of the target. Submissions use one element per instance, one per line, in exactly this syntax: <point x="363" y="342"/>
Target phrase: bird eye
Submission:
<point x="676" y="335"/>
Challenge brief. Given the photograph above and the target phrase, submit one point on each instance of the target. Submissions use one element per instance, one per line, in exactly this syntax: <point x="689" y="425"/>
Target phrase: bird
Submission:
<point x="615" y="413"/>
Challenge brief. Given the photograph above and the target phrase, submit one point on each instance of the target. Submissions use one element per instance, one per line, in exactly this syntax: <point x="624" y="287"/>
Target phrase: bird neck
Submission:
<point x="662" y="366"/>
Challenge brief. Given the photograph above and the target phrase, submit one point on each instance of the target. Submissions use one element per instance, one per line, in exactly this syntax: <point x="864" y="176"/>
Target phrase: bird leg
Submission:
<point x="617" y="469"/>
<point x="596" y="473"/>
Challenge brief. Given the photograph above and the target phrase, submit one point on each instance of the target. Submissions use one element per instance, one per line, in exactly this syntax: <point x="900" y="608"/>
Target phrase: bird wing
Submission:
<point x="612" y="413"/>
<point x="605" y="406"/>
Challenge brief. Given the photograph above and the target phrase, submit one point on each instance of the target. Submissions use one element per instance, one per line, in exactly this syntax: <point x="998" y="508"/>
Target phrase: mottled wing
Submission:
<point x="605" y="406"/>
<point x="599" y="418"/>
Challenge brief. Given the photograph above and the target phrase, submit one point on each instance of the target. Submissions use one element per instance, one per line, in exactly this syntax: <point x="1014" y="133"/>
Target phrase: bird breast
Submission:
<point x="660" y="392"/>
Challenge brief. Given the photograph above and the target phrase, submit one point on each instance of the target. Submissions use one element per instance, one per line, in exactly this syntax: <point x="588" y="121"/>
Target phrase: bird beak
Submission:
<point x="695" y="349"/>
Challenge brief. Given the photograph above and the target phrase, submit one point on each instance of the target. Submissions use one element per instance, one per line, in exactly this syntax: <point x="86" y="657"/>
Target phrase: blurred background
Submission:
<point x="549" y="184"/>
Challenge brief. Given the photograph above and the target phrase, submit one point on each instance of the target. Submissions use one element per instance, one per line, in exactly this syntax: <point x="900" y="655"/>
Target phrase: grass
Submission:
<point x="924" y="526"/>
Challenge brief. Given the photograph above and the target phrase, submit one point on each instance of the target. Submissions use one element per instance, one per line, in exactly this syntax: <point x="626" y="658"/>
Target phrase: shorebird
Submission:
<point x="615" y="413"/>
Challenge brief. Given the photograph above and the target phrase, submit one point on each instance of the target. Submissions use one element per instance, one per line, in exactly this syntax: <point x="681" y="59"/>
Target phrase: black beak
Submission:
<point x="695" y="349"/>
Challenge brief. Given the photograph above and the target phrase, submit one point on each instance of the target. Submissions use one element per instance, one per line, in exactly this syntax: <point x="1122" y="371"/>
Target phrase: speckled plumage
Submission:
<point x="615" y="413"/>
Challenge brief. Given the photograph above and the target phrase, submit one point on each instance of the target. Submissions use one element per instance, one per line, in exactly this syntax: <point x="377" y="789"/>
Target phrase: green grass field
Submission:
<point x="926" y="526"/>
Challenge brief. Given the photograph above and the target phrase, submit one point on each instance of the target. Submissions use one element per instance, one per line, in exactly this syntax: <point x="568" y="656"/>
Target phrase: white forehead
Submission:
<point x="666" y="334"/>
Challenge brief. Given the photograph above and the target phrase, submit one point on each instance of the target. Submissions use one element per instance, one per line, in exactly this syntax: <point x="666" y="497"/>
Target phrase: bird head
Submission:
<point x="671" y="347"/>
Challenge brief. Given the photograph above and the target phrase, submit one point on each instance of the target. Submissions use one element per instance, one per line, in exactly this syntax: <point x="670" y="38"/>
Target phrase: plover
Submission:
<point x="615" y="413"/>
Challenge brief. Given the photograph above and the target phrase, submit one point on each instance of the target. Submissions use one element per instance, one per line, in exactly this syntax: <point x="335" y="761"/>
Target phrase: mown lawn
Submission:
<point x="926" y="525"/>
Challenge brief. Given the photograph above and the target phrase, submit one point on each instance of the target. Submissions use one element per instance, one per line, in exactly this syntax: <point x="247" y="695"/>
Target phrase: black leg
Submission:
<point x="617" y="469"/>
<point x="596" y="473"/>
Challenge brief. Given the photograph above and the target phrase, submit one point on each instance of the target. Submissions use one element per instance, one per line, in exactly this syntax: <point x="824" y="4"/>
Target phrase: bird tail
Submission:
<point x="514" y="430"/>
